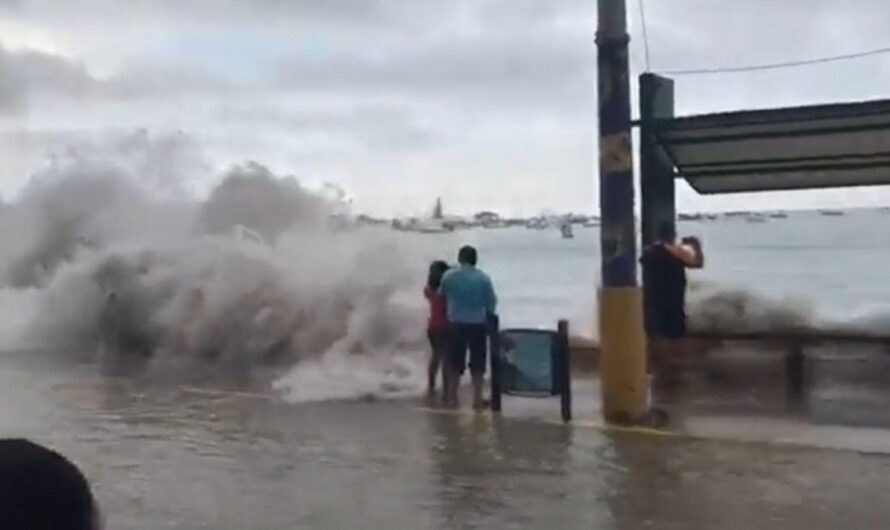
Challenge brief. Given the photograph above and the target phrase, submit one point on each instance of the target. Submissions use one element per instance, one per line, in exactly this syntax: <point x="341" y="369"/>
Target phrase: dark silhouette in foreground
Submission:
<point x="42" y="490"/>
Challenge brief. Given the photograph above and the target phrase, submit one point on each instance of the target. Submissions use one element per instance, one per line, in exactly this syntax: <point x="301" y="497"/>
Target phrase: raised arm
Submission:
<point x="689" y="252"/>
<point x="698" y="260"/>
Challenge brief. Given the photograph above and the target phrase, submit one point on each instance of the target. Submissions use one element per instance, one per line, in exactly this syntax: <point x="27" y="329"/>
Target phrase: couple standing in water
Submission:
<point x="462" y="305"/>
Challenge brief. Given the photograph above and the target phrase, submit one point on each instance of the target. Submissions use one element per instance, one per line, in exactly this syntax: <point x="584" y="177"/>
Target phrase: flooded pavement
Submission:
<point x="742" y="393"/>
<point x="177" y="456"/>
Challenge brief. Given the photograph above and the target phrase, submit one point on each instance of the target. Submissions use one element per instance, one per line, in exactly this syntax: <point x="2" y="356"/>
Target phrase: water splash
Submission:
<point x="96" y="265"/>
<point x="717" y="308"/>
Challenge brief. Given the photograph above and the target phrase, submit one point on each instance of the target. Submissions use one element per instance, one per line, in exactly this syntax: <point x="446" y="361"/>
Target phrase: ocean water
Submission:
<point x="830" y="269"/>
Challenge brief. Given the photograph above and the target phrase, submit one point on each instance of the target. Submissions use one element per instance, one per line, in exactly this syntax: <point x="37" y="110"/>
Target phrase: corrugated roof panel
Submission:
<point x="781" y="149"/>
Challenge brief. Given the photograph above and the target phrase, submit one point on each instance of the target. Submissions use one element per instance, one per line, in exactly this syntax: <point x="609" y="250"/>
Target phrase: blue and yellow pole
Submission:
<point x="622" y="341"/>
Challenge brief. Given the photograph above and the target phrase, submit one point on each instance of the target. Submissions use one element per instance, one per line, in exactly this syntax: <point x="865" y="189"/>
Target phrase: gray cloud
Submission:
<point x="27" y="73"/>
<point x="420" y="92"/>
<point x="207" y="11"/>
<point x="170" y="80"/>
<point x="404" y="15"/>
<point x="690" y="34"/>
<point x="373" y="126"/>
<point x="499" y="69"/>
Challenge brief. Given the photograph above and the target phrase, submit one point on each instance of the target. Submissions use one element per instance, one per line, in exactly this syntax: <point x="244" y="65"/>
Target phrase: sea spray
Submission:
<point x="96" y="265"/>
<point x="99" y="264"/>
<point x="717" y="308"/>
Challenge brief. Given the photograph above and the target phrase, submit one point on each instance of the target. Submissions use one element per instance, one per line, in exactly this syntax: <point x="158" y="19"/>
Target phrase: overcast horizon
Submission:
<point x="489" y="104"/>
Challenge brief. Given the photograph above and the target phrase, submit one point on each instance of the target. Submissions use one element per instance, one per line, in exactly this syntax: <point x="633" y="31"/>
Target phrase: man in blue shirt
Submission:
<point x="469" y="296"/>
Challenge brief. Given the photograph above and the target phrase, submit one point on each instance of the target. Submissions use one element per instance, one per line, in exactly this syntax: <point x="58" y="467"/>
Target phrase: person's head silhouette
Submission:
<point x="468" y="256"/>
<point x="42" y="490"/>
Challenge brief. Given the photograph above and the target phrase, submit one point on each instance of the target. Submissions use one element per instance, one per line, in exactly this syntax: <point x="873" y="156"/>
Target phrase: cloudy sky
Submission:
<point x="487" y="103"/>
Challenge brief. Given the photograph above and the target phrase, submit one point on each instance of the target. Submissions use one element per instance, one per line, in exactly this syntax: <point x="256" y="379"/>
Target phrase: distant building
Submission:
<point x="487" y="217"/>
<point x="364" y="219"/>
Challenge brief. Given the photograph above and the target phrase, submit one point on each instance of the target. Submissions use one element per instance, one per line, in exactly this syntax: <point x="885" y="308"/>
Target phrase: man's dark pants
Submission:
<point x="472" y="338"/>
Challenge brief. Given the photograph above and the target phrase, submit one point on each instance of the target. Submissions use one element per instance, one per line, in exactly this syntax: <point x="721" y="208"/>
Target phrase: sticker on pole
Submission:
<point x="616" y="153"/>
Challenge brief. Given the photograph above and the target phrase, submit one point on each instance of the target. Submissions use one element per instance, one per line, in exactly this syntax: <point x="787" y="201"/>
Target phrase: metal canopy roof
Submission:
<point x="781" y="149"/>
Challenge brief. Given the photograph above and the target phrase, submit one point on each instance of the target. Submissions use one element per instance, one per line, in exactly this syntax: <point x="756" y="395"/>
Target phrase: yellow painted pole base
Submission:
<point x="625" y="388"/>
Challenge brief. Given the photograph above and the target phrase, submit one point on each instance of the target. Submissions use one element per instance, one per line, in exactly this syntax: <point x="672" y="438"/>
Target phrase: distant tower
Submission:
<point x="437" y="211"/>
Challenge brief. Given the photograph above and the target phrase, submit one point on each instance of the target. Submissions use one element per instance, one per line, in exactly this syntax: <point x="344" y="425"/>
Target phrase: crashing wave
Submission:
<point x="716" y="309"/>
<point x="252" y="277"/>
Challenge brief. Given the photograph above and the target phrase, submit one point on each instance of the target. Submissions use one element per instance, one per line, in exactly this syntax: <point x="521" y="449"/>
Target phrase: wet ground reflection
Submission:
<point x="162" y="456"/>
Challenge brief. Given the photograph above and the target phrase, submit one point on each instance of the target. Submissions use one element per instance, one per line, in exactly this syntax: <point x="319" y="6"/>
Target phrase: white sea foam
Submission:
<point x="97" y="264"/>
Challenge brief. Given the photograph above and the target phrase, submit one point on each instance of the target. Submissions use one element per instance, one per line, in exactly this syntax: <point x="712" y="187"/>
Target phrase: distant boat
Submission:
<point x="831" y="213"/>
<point x="538" y="223"/>
<point x="426" y="226"/>
<point x="778" y="215"/>
<point x="439" y="229"/>
<point x="566" y="229"/>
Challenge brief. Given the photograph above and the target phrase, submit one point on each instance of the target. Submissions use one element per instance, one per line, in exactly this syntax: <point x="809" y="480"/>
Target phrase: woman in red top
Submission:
<point x="437" y="326"/>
